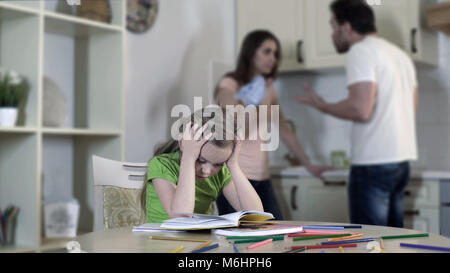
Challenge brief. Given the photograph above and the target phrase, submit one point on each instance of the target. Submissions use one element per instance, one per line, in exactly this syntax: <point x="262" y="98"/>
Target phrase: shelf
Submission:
<point x="13" y="130"/>
<point x="11" y="10"/>
<point x="79" y="132"/>
<point x="69" y="25"/>
<point x="17" y="249"/>
<point x="438" y="17"/>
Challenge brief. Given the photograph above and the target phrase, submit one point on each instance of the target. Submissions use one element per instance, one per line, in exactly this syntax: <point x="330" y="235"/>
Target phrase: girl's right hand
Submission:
<point x="192" y="141"/>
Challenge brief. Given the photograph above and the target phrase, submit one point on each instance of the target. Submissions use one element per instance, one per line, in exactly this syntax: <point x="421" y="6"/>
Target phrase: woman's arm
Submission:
<point x="290" y="139"/>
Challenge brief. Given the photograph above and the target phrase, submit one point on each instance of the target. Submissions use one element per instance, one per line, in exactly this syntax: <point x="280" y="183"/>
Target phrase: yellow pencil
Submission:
<point x="178" y="249"/>
<point x="341" y="249"/>
<point x="207" y="243"/>
<point x="177" y="239"/>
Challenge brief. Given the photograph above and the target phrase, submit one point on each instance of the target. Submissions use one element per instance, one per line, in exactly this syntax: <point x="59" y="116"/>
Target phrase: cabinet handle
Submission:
<point x="293" y="197"/>
<point x="413" y="40"/>
<point x="338" y="183"/>
<point x="411" y="212"/>
<point x="299" y="51"/>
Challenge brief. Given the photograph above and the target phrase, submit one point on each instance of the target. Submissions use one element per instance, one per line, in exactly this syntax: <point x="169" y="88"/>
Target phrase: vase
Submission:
<point x="8" y="116"/>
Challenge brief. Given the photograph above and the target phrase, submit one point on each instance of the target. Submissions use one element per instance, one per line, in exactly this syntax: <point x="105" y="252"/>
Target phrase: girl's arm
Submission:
<point x="239" y="192"/>
<point x="180" y="199"/>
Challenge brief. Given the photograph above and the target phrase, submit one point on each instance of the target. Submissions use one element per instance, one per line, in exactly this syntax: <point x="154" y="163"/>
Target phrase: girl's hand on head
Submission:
<point x="233" y="160"/>
<point x="192" y="140"/>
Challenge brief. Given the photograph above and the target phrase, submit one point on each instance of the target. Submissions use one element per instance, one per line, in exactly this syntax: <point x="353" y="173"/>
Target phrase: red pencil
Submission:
<point x="324" y="246"/>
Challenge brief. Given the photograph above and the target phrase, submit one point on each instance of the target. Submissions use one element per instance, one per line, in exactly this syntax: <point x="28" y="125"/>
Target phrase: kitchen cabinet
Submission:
<point x="304" y="30"/>
<point x="309" y="199"/>
<point x="403" y="22"/>
<point x="445" y="207"/>
<point x="302" y="26"/>
<point x="284" y="18"/>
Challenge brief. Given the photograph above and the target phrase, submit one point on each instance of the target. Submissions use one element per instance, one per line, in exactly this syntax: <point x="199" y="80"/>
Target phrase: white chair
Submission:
<point x="117" y="193"/>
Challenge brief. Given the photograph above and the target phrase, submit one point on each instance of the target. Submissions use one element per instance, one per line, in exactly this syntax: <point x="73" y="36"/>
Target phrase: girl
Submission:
<point x="187" y="175"/>
<point x="258" y="62"/>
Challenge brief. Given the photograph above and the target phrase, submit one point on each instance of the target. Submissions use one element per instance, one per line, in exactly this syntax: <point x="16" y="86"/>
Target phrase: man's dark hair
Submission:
<point x="357" y="13"/>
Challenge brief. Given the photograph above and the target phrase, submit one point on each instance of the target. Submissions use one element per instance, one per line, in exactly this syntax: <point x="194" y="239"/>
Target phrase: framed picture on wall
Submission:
<point x="141" y="15"/>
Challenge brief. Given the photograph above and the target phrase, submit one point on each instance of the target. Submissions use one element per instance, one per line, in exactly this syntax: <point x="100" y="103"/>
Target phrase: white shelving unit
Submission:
<point x="92" y="77"/>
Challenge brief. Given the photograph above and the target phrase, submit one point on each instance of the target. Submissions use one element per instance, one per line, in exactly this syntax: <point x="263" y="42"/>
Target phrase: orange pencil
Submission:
<point x="356" y="236"/>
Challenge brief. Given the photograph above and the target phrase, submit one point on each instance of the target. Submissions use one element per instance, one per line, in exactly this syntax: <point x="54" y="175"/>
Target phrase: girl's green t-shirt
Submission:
<point x="167" y="166"/>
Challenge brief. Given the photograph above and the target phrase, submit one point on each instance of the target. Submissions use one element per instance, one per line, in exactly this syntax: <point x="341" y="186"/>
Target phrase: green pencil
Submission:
<point x="320" y="237"/>
<point x="404" y="236"/>
<point x="275" y="238"/>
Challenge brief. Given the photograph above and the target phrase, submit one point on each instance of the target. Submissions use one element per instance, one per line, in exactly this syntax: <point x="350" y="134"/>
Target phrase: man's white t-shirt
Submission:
<point x="390" y="134"/>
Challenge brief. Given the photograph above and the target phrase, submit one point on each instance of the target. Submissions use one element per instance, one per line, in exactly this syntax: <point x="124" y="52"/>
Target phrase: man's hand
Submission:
<point x="311" y="99"/>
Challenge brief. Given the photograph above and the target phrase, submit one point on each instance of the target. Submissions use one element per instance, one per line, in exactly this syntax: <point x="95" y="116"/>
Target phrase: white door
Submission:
<point x="284" y="18"/>
<point x="324" y="202"/>
<point x="319" y="48"/>
<point x="393" y="23"/>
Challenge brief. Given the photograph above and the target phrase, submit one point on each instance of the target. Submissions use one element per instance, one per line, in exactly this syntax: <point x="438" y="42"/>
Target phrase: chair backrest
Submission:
<point x="118" y="187"/>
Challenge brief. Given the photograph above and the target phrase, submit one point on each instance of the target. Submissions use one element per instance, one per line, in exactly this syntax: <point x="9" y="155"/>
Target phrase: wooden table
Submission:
<point x="124" y="240"/>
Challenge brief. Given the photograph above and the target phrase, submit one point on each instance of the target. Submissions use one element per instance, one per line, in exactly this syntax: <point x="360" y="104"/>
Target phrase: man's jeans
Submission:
<point x="376" y="194"/>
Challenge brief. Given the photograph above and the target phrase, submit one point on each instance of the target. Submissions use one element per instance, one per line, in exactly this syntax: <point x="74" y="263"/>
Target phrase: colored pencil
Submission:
<point x="341" y="249"/>
<point x="320" y="237"/>
<point x="178" y="249"/>
<point x="345" y="226"/>
<point x="177" y="239"/>
<point x="274" y="237"/>
<point x="324" y="246"/>
<point x="382" y="243"/>
<point x="325" y="232"/>
<point x="207" y="243"/>
<point x="255" y="240"/>
<point x="236" y="250"/>
<point x="427" y="247"/>
<point x="206" y="248"/>
<point x="404" y="236"/>
<point x="356" y="236"/>
<point x="350" y="241"/>
<point x="323" y="227"/>
<point x="296" y="250"/>
<point x="262" y="243"/>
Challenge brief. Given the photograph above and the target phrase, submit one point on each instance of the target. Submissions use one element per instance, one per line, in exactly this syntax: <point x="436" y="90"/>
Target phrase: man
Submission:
<point x="383" y="98"/>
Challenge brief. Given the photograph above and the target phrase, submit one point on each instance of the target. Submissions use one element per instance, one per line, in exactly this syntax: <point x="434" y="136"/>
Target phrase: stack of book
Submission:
<point x="8" y="224"/>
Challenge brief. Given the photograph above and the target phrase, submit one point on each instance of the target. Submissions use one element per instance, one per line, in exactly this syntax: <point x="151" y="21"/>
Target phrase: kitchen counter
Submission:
<point x="299" y="171"/>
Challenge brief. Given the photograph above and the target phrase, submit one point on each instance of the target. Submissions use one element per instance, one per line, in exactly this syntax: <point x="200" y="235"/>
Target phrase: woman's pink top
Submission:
<point x="253" y="161"/>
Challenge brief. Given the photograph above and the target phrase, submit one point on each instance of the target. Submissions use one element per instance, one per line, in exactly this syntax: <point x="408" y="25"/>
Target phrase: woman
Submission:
<point x="259" y="58"/>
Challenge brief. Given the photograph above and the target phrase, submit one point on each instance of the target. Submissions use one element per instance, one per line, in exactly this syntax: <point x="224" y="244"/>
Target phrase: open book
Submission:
<point x="259" y="230"/>
<point x="203" y="221"/>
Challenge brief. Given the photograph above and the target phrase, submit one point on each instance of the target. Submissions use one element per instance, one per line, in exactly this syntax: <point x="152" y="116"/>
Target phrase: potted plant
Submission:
<point x="13" y="89"/>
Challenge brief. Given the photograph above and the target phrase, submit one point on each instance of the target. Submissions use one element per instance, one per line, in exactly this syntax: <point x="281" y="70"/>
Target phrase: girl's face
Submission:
<point x="265" y="58"/>
<point x="211" y="160"/>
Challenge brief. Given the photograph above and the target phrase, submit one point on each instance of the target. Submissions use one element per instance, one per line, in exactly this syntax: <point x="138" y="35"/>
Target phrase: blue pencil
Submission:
<point x="426" y="247"/>
<point x="206" y="248"/>
<point x="346" y="226"/>
<point x="350" y="241"/>
<point x="236" y="250"/>
<point x="322" y="227"/>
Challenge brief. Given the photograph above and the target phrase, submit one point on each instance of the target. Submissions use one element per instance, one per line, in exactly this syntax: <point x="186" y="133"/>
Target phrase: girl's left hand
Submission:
<point x="233" y="160"/>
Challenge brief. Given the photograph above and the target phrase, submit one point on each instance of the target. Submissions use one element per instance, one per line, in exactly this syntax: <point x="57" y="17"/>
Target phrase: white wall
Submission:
<point x="168" y="65"/>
